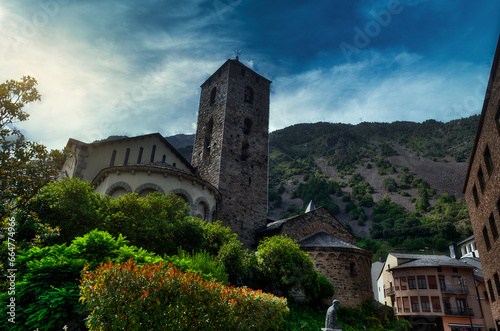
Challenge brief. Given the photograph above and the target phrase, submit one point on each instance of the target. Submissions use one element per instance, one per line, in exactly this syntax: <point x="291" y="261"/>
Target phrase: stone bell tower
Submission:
<point x="231" y="145"/>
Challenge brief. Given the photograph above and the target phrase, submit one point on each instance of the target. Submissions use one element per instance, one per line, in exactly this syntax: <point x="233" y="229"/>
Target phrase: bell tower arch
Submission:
<point x="231" y="145"/>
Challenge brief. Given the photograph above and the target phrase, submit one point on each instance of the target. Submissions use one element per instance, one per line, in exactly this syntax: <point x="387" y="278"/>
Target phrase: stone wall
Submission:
<point x="307" y="224"/>
<point x="231" y="146"/>
<point x="349" y="270"/>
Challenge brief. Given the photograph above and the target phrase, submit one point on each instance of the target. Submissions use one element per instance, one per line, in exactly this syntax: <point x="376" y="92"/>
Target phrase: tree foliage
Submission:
<point x="25" y="166"/>
<point x="282" y="267"/>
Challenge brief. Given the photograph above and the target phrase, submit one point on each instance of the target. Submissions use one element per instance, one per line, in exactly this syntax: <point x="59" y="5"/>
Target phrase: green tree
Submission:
<point x="282" y="267"/>
<point x="25" y="166"/>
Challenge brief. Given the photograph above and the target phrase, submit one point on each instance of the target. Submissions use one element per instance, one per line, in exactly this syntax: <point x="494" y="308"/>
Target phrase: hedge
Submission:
<point x="154" y="297"/>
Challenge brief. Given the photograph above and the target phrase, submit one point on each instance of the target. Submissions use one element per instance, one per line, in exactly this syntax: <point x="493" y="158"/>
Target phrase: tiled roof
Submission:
<point x="323" y="239"/>
<point x="416" y="260"/>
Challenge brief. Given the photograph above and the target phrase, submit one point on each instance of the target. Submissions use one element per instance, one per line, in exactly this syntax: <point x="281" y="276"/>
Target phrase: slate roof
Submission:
<point x="418" y="261"/>
<point x="323" y="239"/>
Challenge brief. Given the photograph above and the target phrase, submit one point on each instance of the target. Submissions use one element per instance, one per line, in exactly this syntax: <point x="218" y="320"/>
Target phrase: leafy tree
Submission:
<point x="25" y="166"/>
<point x="71" y="205"/>
<point x="390" y="185"/>
<point x="282" y="267"/>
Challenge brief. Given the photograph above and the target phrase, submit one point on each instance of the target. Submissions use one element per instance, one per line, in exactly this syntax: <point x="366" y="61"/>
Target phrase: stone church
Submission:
<point x="227" y="179"/>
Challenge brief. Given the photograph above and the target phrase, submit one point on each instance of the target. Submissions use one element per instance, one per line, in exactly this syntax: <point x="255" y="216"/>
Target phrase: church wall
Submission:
<point x="201" y="198"/>
<point x="349" y="270"/>
<point x="313" y="222"/>
<point x="100" y="155"/>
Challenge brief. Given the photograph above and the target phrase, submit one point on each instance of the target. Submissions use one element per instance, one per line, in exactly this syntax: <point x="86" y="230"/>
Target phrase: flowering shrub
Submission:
<point x="160" y="297"/>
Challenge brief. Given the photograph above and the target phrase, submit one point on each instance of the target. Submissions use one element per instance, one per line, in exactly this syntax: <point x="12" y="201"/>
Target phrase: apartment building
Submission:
<point x="482" y="188"/>
<point x="433" y="292"/>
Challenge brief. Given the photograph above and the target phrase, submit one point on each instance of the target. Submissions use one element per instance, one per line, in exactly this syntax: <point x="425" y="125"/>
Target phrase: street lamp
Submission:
<point x="462" y="282"/>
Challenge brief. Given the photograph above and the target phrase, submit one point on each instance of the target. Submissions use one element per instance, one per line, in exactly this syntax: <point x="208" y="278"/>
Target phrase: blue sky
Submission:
<point x="135" y="67"/>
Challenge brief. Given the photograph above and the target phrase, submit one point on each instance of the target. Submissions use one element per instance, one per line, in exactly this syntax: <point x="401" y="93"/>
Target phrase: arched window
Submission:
<point x="113" y="156"/>
<point x="202" y="211"/>
<point x="153" y="151"/>
<point x="245" y="151"/>
<point x="352" y="269"/>
<point x="213" y="93"/>
<point x="249" y="94"/>
<point x="208" y="137"/>
<point x="247" y="126"/>
<point x="139" y="157"/>
<point x="127" y="154"/>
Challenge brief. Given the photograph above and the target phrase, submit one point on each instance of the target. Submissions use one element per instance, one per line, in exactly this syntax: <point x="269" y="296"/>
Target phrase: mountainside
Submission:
<point x="393" y="181"/>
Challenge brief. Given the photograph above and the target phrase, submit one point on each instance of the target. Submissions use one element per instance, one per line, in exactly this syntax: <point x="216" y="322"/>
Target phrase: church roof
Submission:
<point x="239" y="64"/>
<point x="277" y="224"/>
<point x="323" y="239"/>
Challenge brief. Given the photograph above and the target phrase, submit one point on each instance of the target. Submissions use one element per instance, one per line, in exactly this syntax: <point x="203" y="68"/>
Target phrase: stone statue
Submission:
<point x="331" y="322"/>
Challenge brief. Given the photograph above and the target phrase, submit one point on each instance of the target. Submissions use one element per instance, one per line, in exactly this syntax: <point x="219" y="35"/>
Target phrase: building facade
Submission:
<point x="468" y="247"/>
<point x="482" y="188"/>
<point x="433" y="292"/>
<point x="141" y="165"/>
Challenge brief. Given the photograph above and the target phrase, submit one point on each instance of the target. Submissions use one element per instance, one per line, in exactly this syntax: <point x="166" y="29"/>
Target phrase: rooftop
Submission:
<point x="416" y="261"/>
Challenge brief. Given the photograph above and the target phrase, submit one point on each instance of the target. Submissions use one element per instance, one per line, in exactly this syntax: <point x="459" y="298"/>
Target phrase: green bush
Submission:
<point x="47" y="280"/>
<point x="200" y="263"/>
<point x="159" y="297"/>
<point x="282" y="267"/>
<point x="71" y="205"/>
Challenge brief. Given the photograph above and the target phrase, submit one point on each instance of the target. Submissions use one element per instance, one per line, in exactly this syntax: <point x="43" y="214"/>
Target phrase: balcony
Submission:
<point x="390" y="291"/>
<point x="459" y="312"/>
<point x="455" y="289"/>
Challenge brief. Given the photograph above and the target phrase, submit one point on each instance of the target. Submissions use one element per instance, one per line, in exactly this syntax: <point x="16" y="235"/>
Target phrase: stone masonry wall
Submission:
<point x="349" y="270"/>
<point x="313" y="222"/>
<point x="237" y="161"/>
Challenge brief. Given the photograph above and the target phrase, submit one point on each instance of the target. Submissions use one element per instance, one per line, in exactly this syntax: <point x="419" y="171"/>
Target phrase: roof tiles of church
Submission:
<point x="323" y="239"/>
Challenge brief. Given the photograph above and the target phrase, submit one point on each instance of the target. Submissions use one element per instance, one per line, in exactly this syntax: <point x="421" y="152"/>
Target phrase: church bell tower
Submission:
<point x="231" y="145"/>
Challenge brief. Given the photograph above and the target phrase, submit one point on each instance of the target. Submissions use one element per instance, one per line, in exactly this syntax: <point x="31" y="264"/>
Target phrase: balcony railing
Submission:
<point x="461" y="289"/>
<point x="390" y="291"/>
<point x="459" y="312"/>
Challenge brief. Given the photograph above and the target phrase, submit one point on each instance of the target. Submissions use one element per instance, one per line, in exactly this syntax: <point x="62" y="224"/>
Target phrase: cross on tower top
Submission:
<point x="238" y="52"/>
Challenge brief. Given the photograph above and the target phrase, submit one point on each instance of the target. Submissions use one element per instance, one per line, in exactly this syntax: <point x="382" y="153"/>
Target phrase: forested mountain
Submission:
<point x="400" y="182"/>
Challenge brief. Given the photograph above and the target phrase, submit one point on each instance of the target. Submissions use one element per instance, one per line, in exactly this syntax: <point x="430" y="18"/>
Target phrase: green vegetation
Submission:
<point x="282" y="267"/>
<point x="57" y="242"/>
<point x="447" y="221"/>
<point x="369" y="316"/>
<point x="348" y="148"/>
<point x="319" y="189"/>
<point x="52" y="275"/>
<point x="25" y="166"/>
<point x="126" y="296"/>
